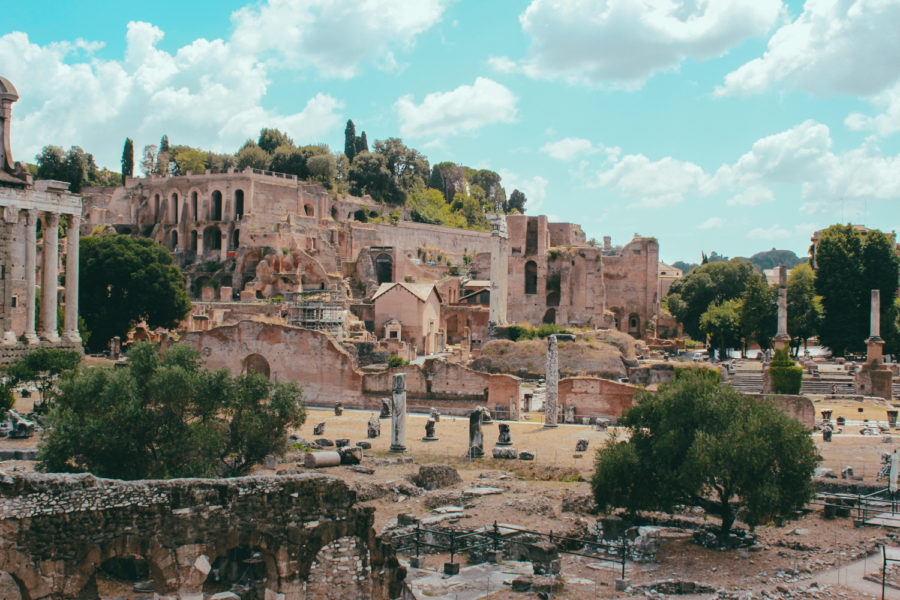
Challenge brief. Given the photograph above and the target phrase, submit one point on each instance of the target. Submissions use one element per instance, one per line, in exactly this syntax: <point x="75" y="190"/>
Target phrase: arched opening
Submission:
<point x="244" y="567"/>
<point x="216" y="208"/>
<point x="553" y="299"/>
<point x="194" y="241"/>
<point x="156" y="207"/>
<point x="235" y="239"/>
<point x="634" y="324"/>
<point x="531" y="237"/>
<point x="175" y="210"/>
<point x="174" y="243"/>
<point x="255" y="363"/>
<point x="334" y="213"/>
<point x="212" y="239"/>
<point x="384" y="268"/>
<point x="239" y="204"/>
<point x="308" y="210"/>
<point x="194" y="206"/>
<point x="116" y="577"/>
<point x="550" y="316"/>
<point x="361" y="215"/>
<point x="531" y="277"/>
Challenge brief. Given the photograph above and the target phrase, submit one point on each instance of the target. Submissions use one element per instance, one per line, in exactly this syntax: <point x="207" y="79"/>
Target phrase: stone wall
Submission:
<point x="794" y="406"/>
<point x="595" y="397"/>
<point x="306" y="530"/>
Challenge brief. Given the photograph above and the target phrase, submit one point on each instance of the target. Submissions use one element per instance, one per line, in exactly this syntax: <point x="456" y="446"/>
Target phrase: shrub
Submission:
<point x="396" y="361"/>
<point x="785" y="377"/>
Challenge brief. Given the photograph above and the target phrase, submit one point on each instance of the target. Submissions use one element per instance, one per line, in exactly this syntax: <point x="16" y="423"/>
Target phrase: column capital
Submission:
<point x="31" y="215"/>
<point x="51" y="219"/>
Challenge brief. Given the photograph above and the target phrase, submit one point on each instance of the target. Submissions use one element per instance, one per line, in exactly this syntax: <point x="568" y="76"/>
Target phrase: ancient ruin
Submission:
<point x="25" y="206"/>
<point x="398" y="413"/>
<point x="551" y="398"/>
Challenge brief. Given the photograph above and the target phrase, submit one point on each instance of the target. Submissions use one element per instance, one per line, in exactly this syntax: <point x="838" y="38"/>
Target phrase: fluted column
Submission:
<point x="50" y="281"/>
<point x="8" y="220"/>
<point x="30" y="275"/>
<point x="70" y="332"/>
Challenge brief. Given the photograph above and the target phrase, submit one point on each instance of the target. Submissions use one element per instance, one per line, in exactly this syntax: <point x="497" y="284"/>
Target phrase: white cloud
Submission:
<point x="884" y="124"/>
<point x="625" y="42"/>
<point x="568" y="148"/>
<point x="847" y="47"/>
<point x="503" y="64"/>
<point x="654" y="183"/>
<point x="333" y="36"/>
<point x="712" y="223"/>
<point x="534" y="188"/>
<point x="467" y="108"/>
<point x="752" y="196"/>
<point x="206" y="94"/>
<point x="779" y="233"/>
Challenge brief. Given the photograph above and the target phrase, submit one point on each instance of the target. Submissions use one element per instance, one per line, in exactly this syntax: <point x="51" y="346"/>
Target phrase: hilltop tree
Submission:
<point x="189" y="160"/>
<point x="881" y="271"/>
<point x="350" y="140"/>
<point x="164" y="143"/>
<point x="701" y="443"/>
<point x="369" y="175"/>
<point x="409" y="169"/>
<point x="270" y="139"/>
<point x="251" y="155"/>
<point x="517" y="202"/>
<point x="362" y="144"/>
<point x="165" y="416"/>
<point x="128" y="158"/>
<point x="148" y="160"/>
<point x="125" y="280"/>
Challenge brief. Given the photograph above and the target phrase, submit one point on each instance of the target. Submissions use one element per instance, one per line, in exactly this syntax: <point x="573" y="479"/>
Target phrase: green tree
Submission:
<point x="516" y="202"/>
<point x="409" y="169"/>
<point x="166" y="416"/>
<point x="190" y="160"/>
<point x="164" y="143"/>
<point x="128" y="158"/>
<point x="881" y="271"/>
<point x="494" y="194"/>
<point x="362" y="143"/>
<point x="709" y="283"/>
<point x="704" y="444"/>
<point x="51" y="163"/>
<point x="251" y="155"/>
<point x="123" y="281"/>
<point x="42" y="366"/>
<point x="369" y="175"/>
<point x="722" y="323"/>
<point x="804" y="307"/>
<point x="759" y="312"/>
<point x="322" y="168"/>
<point x="270" y="139"/>
<point x="350" y="140"/>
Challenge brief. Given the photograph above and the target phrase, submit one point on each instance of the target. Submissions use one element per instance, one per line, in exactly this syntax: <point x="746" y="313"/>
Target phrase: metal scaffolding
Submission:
<point x="321" y="310"/>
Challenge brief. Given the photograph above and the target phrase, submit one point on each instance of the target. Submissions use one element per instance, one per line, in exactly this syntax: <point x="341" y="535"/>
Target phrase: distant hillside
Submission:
<point x="773" y="258"/>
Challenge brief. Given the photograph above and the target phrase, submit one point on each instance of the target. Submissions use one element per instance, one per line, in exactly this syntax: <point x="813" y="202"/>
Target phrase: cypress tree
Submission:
<point x="164" y="144"/>
<point x="362" y="144"/>
<point x="436" y="181"/>
<point x="350" y="140"/>
<point x="128" y="158"/>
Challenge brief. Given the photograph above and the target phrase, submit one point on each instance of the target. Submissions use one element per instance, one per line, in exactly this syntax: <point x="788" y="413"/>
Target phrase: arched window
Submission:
<point x="194" y="242"/>
<point x="531" y="237"/>
<point x="175" y="210"/>
<point x="174" y="239"/>
<point x="334" y="213"/>
<point x="308" y="209"/>
<point x="238" y="205"/>
<point x="531" y="277"/>
<point x="384" y="268"/>
<point x="156" y="207"/>
<point x="235" y="239"/>
<point x="212" y="239"/>
<point x="550" y="316"/>
<point x="553" y="299"/>
<point x="216" y="208"/>
<point x="634" y="324"/>
<point x="194" y="206"/>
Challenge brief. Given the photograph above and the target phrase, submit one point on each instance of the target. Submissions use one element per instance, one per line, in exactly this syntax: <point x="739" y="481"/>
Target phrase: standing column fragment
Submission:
<point x="398" y="413"/>
<point x="71" y="315"/>
<point x="30" y="275"/>
<point x="551" y="398"/>
<point x="50" y="280"/>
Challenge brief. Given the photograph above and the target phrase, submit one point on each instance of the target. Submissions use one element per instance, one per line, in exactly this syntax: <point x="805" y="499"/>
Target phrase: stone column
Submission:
<point x="223" y="247"/>
<point x="50" y="280"/>
<point x="874" y="350"/>
<point x="9" y="219"/>
<point x="499" y="274"/>
<point x="551" y="398"/>
<point x="782" y="339"/>
<point x="30" y="275"/>
<point x="398" y="414"/>
<point x="70" y="332"/>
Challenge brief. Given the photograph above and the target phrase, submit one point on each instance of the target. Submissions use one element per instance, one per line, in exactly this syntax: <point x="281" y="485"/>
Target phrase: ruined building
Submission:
<point x="29" y="209"/>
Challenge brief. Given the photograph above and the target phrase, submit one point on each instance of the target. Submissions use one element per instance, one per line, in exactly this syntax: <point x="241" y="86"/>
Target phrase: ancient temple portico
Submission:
<point x="27" y="207"/>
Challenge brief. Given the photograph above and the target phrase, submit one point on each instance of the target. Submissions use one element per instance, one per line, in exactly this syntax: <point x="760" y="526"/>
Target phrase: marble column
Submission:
<point x="398" y="414"/>
<point x="30" y="275"/>
<point x="9" y="219"/>
<point x="782" y="339"/>
<point x="70" y="332"/>
<point x="551" y="397"/>
<point x="874" y="344"/>
<point x="50" y="279"/>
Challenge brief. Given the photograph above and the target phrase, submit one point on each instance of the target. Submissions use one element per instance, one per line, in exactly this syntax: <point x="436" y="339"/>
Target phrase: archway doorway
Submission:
<point x="256" y="363"/>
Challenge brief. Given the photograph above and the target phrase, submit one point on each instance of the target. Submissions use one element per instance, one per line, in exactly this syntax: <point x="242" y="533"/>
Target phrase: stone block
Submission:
<point x="248" y="295"/>
<point x="364" y="445"/>
<point x="581" y="445"/>
<point x="226" y="293"/>
<point x="350" y="455"/>
<point x="273" y="595"/>
<point x="340" y="442"/>
<point x="324" y="442"/>
<point x="432" y="477"/>
<point x="526" y="455"/>
<point x="450" y="569"/>
<point x="506" y="452"/>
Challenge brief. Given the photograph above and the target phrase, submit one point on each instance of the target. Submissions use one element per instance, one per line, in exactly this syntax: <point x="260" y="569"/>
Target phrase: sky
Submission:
<point x="713" y="125"/>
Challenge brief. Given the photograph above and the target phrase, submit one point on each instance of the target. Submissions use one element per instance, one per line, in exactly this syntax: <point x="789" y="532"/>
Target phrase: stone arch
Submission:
<point x="238" y="205"/>
<point x="194" y="206"/>
<point x="256" y="363"/>
<point x="531" y="277"/>
<point x="341" y="569"/>
<point x="634" y="324"/>
<point x="550" y="316"/>
<point x="553" y="298"/>
<point x="384" y="268"/>
<point x="212" y="238"/>
<point x="334" y="213"/>
<point x="215" y="210"/>
<point x="308" y="210"/>
<point x="245" y="563"/>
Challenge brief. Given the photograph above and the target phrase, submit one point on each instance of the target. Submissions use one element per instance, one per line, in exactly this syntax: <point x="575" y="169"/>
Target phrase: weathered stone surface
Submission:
<point x="507" y="452"/>
<point x="350" y="455"/>
<point x="581" y="445"/>
<point x="307" y="529"/>
<point x="9" y="589"/>
<point x="364" y="445"/>
<point x="433" y="477"/>
<point x="526" y="455"/>
<point x="374" y="427"/>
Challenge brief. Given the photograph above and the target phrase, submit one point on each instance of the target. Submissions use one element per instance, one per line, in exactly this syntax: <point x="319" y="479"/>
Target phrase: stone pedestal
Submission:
<point x="398" y="414"/>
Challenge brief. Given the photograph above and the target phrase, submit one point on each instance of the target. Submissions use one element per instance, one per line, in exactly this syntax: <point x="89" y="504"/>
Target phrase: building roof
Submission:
<point x="419" y="290"/>
<point x="668" y="270"/>
<point x="477" y="283"/>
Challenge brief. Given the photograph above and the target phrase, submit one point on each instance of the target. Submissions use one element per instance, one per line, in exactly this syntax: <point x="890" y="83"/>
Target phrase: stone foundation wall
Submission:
<point x="57" y="530"/>
<point x="794" y="406"/>
<point x="10" y="354"/>
<point x="595" y="397"/>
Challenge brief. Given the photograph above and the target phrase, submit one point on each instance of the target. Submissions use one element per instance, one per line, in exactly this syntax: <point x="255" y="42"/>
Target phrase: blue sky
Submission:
<point x="727" y="125"/>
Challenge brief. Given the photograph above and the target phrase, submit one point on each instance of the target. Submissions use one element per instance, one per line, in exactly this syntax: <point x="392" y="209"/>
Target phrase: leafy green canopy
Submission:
<point x="124" y="280"/>
<point x="42" y="366"/>
<point x="166" y="416"/>
<point x="705" y="444"/>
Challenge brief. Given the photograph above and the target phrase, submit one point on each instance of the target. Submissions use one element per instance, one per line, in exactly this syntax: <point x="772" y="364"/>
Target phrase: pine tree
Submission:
<point x="164" y="144"/>
<point x="128" y="158"/>
<point x="350" y="140"/>
<point x="436" y="181"/>
<point x="362" y="144"/>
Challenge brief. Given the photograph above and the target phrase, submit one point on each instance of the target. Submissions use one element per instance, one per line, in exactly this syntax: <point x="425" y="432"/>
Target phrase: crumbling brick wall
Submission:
<point x="56" y="530"/>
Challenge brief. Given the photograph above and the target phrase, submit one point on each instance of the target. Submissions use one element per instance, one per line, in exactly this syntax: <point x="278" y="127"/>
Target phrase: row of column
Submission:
<point x="50" y="279"/>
